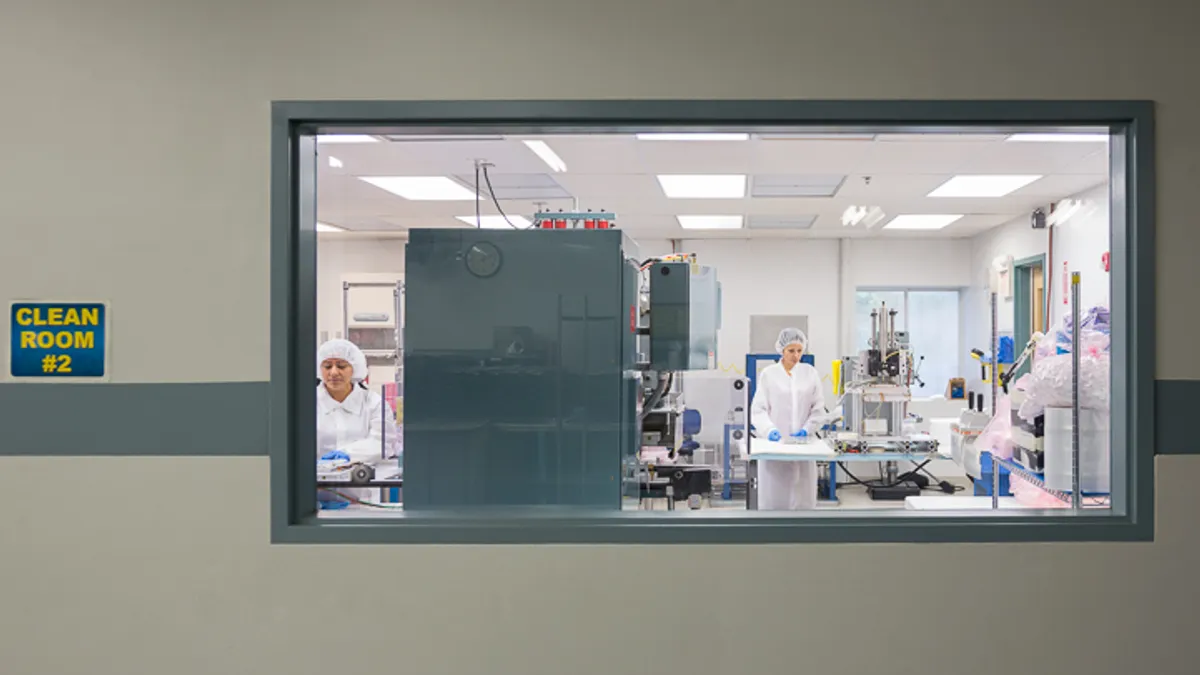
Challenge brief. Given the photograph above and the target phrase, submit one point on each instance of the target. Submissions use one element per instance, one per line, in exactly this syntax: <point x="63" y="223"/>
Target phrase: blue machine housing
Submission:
<point x="520" y="381"/>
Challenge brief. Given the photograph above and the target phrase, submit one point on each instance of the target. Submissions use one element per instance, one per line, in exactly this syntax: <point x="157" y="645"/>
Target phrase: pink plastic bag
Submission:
<point x="1031" y="495"/>
<point x="996" y="437"/>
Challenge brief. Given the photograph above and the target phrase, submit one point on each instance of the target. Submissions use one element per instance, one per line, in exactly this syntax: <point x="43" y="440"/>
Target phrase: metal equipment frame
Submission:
<point x="1074" y="497"/>
<point x="295" y="125"/>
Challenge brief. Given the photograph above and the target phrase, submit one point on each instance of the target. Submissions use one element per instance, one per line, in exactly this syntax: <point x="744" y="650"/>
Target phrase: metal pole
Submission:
<point x="995" y="482"/>
<point x="345" y="310"/>
<point x="995" y="354"/>
<point x="398" y="372"/>
<point x="1076" y="482"/>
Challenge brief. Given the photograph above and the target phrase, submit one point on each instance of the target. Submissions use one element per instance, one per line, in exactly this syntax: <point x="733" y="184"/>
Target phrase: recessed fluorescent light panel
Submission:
<point x="795" y="186"/>
<point x="921" y="222"/>
<point x="335" y="163"/>
<point x="781" y="222"/>
<point x="710" y="222"/>
<point x="703" y="187"/>
<point x="421" y="188"/>
<point x="497" y="222"/>
<point x="1059" y="138"/>
<point x="982" y="186"/>
<point x="324" y="227"/>
<point x="346" y="138"/>
<point x="548" y="156"/>
<point x="817" y="137"/>
<point x="693" y="137"/>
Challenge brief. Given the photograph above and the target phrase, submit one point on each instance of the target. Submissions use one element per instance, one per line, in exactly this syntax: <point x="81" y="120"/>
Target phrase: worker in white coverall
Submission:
<point x="787" y="402"/>
<point x="352" y="424"/>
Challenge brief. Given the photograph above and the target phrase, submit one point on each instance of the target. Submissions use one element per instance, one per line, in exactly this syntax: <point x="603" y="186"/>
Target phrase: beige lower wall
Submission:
<point x="175" y="575"/>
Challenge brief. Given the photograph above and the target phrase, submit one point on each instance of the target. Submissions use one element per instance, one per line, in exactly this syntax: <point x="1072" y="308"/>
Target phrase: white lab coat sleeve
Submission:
<point x="816" y="412"/>
<point x="372" y="449"/>
<point x="760" y="412"/>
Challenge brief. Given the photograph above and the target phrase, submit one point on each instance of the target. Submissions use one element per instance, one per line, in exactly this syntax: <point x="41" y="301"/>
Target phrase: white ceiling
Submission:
<point x="618" y="173"/>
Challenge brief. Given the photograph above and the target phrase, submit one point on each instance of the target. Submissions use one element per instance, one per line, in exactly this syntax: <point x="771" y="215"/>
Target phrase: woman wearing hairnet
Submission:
<point x="351" y="423"/>
<point x="787" y="401"/>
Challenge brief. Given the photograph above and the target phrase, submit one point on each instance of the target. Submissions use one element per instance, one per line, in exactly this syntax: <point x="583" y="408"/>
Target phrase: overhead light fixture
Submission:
<point x="817" y="137"/>
<point x="921" y="222"/>
<point x="346" y="138"/>
<point x="325" y="227"/>
<point x="804" y="222"/>
<point x="866" y="216"/>
<point x="982" y="186"/>
<point x="335" y="162"/>
<point x="548" y="156"/>
<point x="421" y="188"/>
<point x="800" y="185"/>
<point x="496" y="222"/>
<point x="710" y="222"/>
<point x="693" y="137"/>
<point x="703" y="186"/>
<point x="1059" y="138"/>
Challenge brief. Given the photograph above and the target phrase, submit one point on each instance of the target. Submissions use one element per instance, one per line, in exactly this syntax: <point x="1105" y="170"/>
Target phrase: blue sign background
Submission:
<point x="71" y="362"/>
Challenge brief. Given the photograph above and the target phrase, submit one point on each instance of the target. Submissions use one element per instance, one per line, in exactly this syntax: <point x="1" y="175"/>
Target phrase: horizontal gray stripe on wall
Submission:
<point x="154" y="419"/>
<point x="1175" y="404"/>
<point x="230" y="418"/>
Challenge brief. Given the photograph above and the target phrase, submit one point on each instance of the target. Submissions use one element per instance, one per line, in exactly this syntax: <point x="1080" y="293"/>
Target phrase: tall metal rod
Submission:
<point x="995" y="354"/>
<point x="398" y="300"/>
<point x="1076" y="481"/>
<point x="995" y="483"/>
<point x="345" y="311"/>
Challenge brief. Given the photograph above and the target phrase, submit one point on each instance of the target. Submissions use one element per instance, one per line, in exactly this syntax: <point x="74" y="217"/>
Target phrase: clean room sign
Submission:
<point x="58" y="341"/>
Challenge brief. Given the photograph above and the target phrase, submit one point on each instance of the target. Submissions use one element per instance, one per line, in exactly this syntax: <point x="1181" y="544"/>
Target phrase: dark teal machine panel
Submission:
<point x="519" y="368"/>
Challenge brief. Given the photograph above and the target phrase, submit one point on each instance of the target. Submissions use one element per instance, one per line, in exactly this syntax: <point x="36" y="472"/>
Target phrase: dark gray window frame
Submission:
<point x="293" y="318"/>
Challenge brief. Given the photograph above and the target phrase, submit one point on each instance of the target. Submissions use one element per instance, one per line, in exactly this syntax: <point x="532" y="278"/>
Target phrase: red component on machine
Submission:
<point x="560" y="224"/>
<point x="589" y="224"/>
<point x="547" y="224"/>
<point x="601" y="224"/>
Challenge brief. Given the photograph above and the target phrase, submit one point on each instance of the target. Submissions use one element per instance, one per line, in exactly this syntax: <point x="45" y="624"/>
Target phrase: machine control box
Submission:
<point x="685" y="314"/>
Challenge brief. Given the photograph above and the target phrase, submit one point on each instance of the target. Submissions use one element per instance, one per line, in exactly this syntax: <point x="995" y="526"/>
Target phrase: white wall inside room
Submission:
<point x="339" y="257"/>
<point x="1080" y="241"/>
<point x="791" y="276"/>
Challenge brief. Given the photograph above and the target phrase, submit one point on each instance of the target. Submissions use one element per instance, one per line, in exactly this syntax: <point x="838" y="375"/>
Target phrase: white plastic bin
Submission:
<point x="1094" y="462"/>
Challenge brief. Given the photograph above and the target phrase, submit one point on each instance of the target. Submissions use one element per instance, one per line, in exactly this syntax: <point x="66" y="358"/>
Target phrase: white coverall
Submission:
<point x="357" y="427"/>
<point x="787" y="403"/>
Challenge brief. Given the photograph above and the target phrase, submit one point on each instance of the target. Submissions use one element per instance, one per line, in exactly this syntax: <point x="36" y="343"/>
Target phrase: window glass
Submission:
<point x="933" y="326"/>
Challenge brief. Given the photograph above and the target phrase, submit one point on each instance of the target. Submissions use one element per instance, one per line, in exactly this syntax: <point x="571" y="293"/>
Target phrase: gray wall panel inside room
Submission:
<point x="139" y="157"/>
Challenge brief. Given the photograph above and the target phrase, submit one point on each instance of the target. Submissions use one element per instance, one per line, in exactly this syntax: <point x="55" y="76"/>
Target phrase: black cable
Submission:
<point x="657" y="396"/>
<point x="478" y="217"/>
<point x="492" y="193"/>
<point x="900" y="480"/>
<point x="941" y="485"/>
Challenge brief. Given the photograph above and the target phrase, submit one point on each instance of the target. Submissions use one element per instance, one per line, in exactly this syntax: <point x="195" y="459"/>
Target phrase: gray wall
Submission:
<point x="134" y="170"/>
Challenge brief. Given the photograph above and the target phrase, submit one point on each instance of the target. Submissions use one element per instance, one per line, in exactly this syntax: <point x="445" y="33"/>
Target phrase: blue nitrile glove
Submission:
<point x="334" y="455"/>
<point x="800" y="434"/>
<point x="774" y="435"/>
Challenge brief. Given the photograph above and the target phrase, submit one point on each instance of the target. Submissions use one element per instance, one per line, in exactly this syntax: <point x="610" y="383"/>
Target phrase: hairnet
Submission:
<point x="347" y="351"/>
<point x="789" y="336"/>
